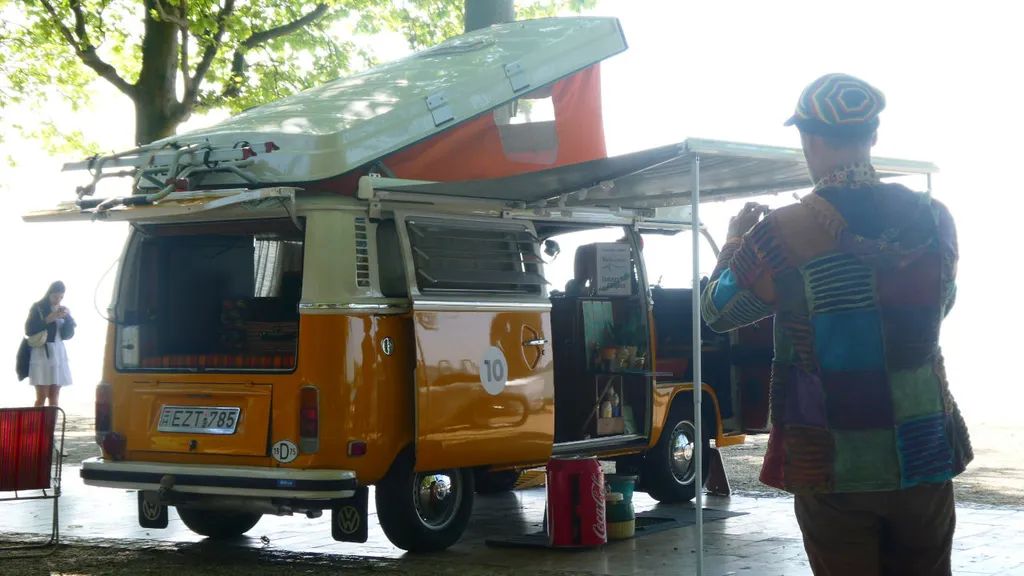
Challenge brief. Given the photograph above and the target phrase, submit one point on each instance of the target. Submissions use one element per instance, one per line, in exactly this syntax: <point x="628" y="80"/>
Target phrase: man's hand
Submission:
<point x="747" y="218"/>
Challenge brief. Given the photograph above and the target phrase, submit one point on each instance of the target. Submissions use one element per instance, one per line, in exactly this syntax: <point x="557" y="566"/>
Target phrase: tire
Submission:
<point x="496" y="482"/>
<point x="416" y="516"/>
<point x="218" y="524"/>
<point x="672" y="481"/>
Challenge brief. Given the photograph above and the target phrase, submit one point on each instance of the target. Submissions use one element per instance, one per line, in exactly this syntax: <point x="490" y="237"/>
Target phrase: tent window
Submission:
<point x="527" y="128"/>
<point x="459" y="256"/>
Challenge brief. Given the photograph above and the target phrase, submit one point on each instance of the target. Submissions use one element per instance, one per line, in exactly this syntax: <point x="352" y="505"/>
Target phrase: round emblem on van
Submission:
<point x="387" y="345"/>
<point x="284" y="451"/>
<point x="494" y="371"/>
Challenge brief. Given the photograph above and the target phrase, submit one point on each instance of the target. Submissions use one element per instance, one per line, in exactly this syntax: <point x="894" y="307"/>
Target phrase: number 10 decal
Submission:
<point x="494" y="371"/>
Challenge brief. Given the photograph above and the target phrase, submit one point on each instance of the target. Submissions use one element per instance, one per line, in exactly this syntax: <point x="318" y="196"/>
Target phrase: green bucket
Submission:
<point x="623" y="484"/>
<point x="620" y="511"/>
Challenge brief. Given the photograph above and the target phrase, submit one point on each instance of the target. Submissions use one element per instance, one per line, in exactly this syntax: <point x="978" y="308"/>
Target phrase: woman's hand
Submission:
<point x="59" y="312"/>
<point x="748" y="216"/>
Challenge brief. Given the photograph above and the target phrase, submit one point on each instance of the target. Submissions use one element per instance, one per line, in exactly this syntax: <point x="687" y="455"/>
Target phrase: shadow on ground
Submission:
<point x="116" y="558"/>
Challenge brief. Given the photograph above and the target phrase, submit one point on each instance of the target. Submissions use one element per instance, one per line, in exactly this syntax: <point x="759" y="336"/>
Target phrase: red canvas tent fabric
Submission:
<point x="474" y="149"/>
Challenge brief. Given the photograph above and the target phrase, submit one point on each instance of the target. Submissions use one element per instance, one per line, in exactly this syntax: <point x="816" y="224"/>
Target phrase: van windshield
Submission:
<point x="211" y="296"/>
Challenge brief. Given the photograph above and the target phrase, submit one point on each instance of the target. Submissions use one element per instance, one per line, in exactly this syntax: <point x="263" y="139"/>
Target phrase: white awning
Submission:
<point x="658" y="177"/>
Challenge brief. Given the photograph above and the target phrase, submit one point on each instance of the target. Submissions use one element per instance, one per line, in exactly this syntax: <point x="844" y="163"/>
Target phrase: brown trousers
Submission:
<point x="904" y="532"/>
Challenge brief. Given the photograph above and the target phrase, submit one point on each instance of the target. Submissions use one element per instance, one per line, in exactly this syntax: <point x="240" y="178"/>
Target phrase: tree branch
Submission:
<point x="84" y="50"/>
<point x="60" y="26"/>
<point x="179" y="21"/>
<point x="99" y="19"/>
<point x="208" y="55"/>
<point x="91" y="59"/>
<point x="258" y="38"/>
<point x="76" y="9"/>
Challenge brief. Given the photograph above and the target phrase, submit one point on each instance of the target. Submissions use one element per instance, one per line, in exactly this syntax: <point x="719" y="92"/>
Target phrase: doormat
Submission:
<point x="650" y="522"/>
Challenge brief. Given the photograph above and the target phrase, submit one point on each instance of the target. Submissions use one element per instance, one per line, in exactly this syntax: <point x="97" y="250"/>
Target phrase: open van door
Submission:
<point x="484" y="375"/>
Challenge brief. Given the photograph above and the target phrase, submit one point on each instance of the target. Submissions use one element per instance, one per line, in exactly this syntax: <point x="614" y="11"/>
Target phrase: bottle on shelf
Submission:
<point x="606" y="406"/>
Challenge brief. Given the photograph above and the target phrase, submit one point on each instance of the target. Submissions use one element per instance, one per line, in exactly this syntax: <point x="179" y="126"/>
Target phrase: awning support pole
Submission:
<point x="698" y="499"/>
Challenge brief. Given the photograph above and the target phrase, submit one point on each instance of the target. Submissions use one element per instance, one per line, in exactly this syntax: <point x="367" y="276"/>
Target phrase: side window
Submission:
<point x="669" y="258"/>
<point x="573" y="245"/>
<point x="527" y="129"/>
<point x="478" y="257"/>
<point x="390" y="264"/>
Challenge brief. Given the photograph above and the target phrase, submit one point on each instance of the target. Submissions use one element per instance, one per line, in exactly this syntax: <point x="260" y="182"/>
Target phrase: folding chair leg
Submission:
<point x="55" y="531"/>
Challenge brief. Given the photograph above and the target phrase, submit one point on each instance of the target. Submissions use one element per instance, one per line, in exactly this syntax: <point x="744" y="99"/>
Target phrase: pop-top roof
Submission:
<point x="351" y="122"/>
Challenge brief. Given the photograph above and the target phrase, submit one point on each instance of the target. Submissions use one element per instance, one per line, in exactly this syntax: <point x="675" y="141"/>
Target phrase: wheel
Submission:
<point x="496" y="482"/>
<point x="218" y="524"/>
<point x="669" y="468"/>
<point x="425" y="511"/>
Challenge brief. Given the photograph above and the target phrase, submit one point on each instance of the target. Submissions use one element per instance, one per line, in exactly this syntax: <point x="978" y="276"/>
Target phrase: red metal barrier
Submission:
<point x="31" y="453"/>
<point x="576" y="506"/>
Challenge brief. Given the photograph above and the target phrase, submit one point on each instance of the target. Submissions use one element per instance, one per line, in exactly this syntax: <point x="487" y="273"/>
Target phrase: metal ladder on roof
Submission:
<point x="157" y="171"/>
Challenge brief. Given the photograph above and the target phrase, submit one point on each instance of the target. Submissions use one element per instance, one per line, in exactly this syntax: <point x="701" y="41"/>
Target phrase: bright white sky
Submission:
<point x="728" y="70"/>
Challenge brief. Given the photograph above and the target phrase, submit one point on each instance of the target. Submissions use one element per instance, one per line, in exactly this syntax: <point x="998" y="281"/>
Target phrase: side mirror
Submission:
<point x="551" y="249"/>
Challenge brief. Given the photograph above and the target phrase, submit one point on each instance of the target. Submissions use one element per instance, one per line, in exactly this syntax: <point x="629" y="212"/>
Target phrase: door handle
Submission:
<point x="535" y="342"/>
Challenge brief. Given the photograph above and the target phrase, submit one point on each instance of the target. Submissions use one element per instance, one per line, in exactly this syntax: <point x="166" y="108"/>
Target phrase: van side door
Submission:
<point x="484" y="375"/>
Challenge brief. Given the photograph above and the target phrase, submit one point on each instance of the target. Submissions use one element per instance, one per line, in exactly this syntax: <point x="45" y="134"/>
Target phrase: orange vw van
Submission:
<point x="418" y="282"/>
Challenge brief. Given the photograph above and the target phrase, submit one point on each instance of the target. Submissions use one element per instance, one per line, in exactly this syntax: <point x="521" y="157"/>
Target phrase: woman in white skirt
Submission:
<point x="48" y="368"/>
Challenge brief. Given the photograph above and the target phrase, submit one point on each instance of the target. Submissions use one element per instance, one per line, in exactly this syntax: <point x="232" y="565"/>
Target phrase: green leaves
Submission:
<point x="52" y="50"/>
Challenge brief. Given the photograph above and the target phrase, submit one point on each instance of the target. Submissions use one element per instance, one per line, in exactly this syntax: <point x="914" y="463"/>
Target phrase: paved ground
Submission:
<point x="764" y="541"/>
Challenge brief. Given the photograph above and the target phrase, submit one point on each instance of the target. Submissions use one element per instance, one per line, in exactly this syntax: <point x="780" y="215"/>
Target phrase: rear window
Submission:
<point x="213" y="296"/>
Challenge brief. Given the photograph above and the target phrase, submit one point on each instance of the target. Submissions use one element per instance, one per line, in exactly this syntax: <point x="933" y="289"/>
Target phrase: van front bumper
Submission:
<point x="251" y="481"/>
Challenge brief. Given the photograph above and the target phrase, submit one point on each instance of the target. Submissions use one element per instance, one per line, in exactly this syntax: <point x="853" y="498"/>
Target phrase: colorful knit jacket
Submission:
<point x="859" y="277"/>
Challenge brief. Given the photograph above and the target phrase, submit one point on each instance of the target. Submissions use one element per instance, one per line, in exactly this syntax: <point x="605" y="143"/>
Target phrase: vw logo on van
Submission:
<point x="348" y="520"/>
<point x="387" y="345"/>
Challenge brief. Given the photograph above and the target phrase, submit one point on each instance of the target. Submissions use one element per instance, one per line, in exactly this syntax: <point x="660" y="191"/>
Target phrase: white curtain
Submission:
<point x="271" y="260"/>
<point x="267" y="268"/>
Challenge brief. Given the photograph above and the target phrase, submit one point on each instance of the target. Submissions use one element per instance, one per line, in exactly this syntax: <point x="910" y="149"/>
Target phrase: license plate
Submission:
<point x="198" y="419"/>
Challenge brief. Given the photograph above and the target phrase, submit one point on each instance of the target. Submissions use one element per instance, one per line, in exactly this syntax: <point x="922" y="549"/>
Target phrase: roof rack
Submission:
<point x="165" y="169"/>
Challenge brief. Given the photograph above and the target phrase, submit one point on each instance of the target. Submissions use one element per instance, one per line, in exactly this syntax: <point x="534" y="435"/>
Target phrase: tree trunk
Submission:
<point x="157" y="110"/>
<point x="153" y="121"/>
<point x="484" y="13"/>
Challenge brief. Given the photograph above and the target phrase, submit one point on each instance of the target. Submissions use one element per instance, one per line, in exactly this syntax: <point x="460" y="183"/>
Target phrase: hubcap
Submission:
<point x="681" y="453"/>
<point x="437" y="497"/>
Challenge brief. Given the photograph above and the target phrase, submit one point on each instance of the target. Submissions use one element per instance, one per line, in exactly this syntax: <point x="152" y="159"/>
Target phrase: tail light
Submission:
<point x="309" y="419"/>
<point x="104" y="423"/>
